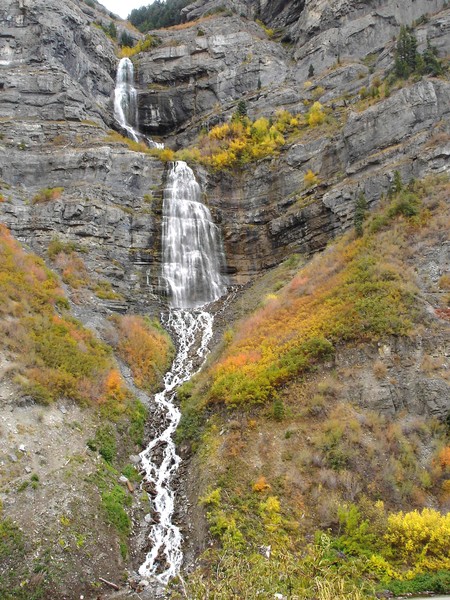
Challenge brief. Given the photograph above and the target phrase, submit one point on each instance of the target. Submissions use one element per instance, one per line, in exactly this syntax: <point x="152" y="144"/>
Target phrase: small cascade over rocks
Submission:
<point x="193" y="260"/>
<point x="125" y="103"/>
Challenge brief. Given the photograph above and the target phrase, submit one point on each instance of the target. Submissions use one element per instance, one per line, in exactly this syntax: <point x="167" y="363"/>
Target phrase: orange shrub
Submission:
<point x="115" y="390"/>
<point x="444" y="458"/>
<point x="261" y="485"/>
<point x="145" y="348"/>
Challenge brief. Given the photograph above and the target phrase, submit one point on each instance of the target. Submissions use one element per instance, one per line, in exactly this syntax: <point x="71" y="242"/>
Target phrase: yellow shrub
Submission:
<point x="316" y="115"/>
<point x="379" y="566"/>
<point x="270" y="513"/>
<point x="220" y="132"/>
<point x="420" y="539"/>
<point x="241" y="141"/>
<point x="167" y="155"/>
<point x="310" y="178"/>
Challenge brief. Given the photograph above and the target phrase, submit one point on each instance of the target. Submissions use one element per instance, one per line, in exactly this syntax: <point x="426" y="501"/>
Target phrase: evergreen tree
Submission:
<point x="432" y="65"/>
<point x="159" y="14"/>
<point x="241" y="110"/>
<point x="406" y="55"/>
<point x="112" y="30"/>
<point x="126" y="39"/>
<point x="360" y="214"/>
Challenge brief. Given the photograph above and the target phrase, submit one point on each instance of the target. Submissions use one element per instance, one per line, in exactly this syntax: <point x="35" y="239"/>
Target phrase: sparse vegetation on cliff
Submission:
<point x="242" y="141"/>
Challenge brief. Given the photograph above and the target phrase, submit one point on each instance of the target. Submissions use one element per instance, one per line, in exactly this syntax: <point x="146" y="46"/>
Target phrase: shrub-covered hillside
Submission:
<point x="69" y="427"/>
<point x="308" y="487"/>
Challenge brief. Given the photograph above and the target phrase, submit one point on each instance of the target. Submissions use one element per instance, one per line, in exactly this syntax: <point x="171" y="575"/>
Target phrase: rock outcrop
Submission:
<point x="195" y="77"/>
<point x="57" y="83"/>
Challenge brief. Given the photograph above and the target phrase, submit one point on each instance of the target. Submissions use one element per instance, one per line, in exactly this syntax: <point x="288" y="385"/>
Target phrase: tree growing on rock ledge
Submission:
<point x="409" y="61"/>
<point x="406" y="55"/>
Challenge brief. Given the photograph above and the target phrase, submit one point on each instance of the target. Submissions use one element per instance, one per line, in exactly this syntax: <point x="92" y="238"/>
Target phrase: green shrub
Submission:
<point x="104" y="442"/>
<point x="114" y="503"/>
<point x="438" y="583"/>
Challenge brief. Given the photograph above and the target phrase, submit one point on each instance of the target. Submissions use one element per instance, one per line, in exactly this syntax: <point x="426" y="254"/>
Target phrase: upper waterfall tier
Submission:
<point x="125" y="98"/>
<point x="193" y="257"/>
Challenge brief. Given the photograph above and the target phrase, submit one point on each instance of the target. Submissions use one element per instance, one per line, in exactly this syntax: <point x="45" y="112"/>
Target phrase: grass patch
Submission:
<point x="47" y="195"/>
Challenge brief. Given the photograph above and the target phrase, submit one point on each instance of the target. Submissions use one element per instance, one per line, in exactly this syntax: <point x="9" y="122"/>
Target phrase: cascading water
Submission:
<point x="192" y="256"/>
<point x="191" y="273"/>
<point x="125" y="103"/>
<point x="125" y="98"/>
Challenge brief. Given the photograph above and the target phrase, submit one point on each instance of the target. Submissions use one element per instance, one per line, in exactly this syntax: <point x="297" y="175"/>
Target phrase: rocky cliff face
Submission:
<point x="57" y="85"/>
<point x="199" y="72"/>
<point x="57" y="77"/>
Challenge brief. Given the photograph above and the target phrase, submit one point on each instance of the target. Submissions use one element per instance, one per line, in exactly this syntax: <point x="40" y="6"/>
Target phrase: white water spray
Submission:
<point x="192" y="259"/>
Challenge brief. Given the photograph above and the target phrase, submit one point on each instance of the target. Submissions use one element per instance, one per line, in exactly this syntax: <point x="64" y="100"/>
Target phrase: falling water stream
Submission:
<point x="192" y="263"/>
<point x="125" y="98"/>
<point x="191" y="275"/>
<point x="125" y="103"/>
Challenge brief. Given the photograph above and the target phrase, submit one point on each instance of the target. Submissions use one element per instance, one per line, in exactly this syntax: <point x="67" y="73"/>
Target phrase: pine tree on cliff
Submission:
<point x="406" y="55"/>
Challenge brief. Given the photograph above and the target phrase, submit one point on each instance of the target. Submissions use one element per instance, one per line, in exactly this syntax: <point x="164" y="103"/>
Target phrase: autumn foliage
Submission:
<point x="55" y="355"/>
<point x="356" y="291"/>
<point x="241" y="141"/>
<point x="146" y="348"/>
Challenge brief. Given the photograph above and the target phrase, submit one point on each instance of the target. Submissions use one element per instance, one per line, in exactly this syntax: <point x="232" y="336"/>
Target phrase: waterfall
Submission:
<point x="192" y="254"/>
<point x="192" y="262"/>
<point x="125" y="98"/>
<point x="125" y="103"/>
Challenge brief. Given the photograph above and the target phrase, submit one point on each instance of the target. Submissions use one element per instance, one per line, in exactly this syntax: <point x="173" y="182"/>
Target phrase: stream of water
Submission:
<point x="191" y="276"/>
<point x="125" y="99"/>
<point x="126" y="103"/>
<point x="160" y="462"/>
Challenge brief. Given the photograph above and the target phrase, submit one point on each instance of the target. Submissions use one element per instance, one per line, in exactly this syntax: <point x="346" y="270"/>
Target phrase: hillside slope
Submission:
<point x="325" y="413"/>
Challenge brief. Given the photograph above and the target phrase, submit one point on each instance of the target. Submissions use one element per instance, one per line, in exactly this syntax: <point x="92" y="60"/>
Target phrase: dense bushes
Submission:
<point x="241" y="140"/>
<point x="146" y="348"/>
